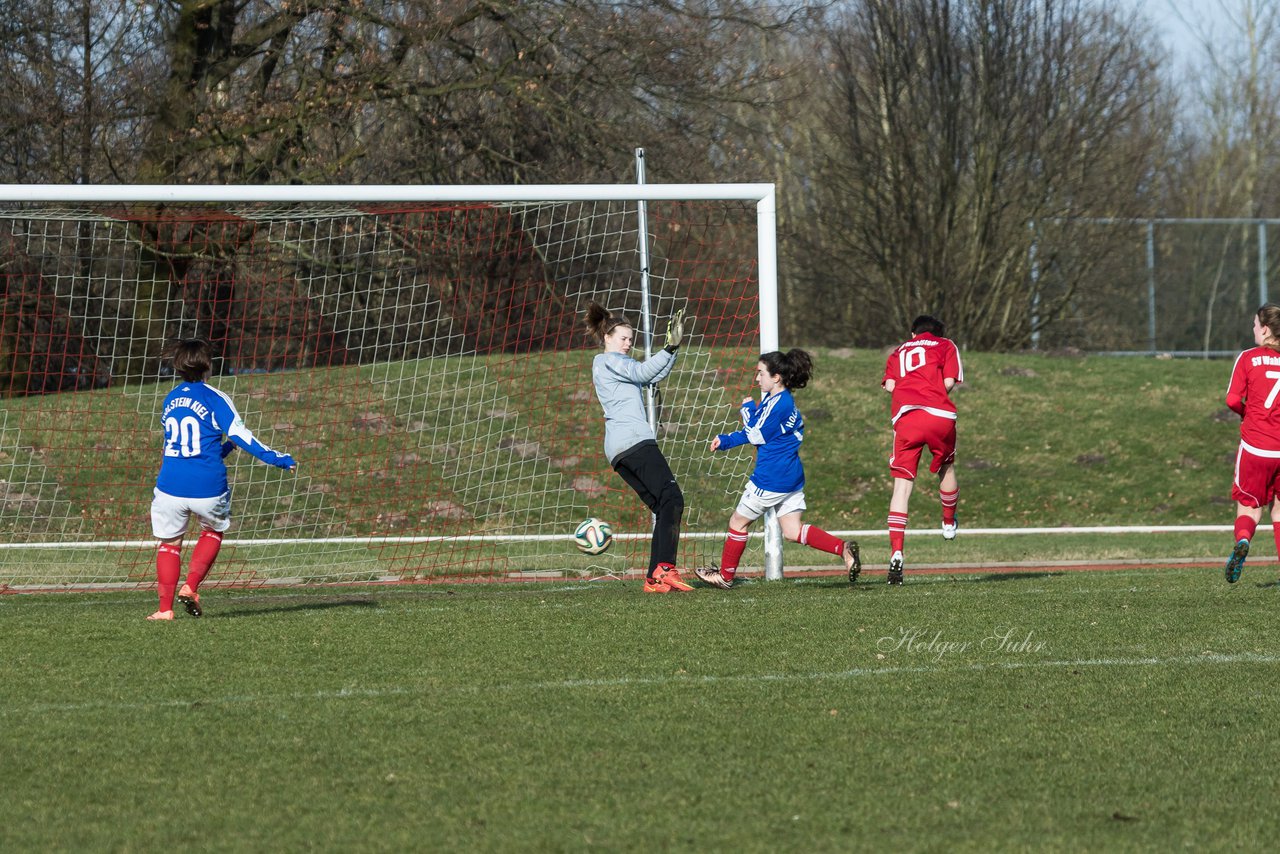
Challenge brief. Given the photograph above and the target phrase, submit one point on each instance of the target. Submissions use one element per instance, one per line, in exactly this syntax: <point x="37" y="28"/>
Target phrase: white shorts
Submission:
<point x="170" y="515"/>
<point x="755" y="501"/>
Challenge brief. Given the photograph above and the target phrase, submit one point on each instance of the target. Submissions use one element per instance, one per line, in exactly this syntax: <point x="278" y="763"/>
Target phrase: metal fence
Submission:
<point x="1184" y="287"/>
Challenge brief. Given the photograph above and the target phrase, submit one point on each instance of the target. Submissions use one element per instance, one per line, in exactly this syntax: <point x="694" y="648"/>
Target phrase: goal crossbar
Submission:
<point x="763" y="193"/>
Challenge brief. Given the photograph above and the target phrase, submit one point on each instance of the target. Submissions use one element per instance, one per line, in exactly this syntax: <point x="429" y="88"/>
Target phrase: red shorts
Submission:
<point x="913" y="432"/>
<point x="1257" y="479"/>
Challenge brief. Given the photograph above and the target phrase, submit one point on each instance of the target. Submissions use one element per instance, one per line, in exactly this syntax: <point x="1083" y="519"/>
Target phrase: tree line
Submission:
<point x="930" y="156"/>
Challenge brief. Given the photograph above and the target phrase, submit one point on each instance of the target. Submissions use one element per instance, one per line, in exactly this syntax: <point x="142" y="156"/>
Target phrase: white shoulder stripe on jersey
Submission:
<point x="754" y="434"/>
<point x="237" y="427"/>
<point x="235" y="413"/>
<point x="1235" y="365"/>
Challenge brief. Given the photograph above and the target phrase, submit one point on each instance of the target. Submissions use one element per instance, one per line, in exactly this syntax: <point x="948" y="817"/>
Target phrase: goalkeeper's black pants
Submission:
<point x="645" y="470"/>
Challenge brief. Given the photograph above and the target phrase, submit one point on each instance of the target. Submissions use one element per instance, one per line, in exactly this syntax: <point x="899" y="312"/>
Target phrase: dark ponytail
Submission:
<point x="599" y="321"/>
<point x="795" y="366"/>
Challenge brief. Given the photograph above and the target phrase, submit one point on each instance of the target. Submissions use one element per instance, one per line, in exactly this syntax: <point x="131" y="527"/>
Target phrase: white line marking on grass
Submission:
<point x="1208" y="658"/>
<point x="621" y="535"/>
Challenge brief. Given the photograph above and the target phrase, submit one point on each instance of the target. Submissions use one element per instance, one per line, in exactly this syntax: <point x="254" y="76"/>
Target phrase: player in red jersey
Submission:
<point x="1254" y="393"/>
<point x="919" y="374"/>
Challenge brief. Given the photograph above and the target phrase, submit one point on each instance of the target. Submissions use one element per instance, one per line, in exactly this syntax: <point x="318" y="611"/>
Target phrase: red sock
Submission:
<point x="202" y="557"/>
<point x="735" y="542"/>
<point x="168" y="568"/>
<point x="1245" y="527"/>
<point x="816" y="538"/>
<point x="949" y="501"/>
<point x="897" y="531"/>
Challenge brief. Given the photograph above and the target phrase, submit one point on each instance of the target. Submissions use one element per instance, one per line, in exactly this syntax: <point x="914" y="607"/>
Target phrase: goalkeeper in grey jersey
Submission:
<point x="629" y="441"/>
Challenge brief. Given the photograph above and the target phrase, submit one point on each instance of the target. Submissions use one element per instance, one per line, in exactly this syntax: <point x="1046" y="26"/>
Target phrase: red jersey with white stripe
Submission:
<point x="1254" y="392"/>
<point x="918" y="369"/>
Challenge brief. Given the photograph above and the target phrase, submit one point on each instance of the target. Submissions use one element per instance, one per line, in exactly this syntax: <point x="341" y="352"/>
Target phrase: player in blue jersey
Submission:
<point x="193" y="477"/>
<point x="630" y="443"/>
<point x="776" y="429"/>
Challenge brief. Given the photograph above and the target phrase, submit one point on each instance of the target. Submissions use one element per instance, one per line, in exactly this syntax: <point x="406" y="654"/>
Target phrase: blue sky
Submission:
<point x="1184" y="39"/>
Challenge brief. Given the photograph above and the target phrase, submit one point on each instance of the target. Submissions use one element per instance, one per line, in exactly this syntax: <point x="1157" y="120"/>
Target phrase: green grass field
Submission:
<point x="1004" y="707"/>
<point x="1105" y="710"/>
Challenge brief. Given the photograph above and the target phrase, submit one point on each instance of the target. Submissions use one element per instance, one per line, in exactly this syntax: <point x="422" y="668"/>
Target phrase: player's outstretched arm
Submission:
<point x="240" y="435"/>
<point x="283" y="461"/>
<point x="652" y="370"/>
<point x="725" y="441"/>
<point x="245" y="440"/>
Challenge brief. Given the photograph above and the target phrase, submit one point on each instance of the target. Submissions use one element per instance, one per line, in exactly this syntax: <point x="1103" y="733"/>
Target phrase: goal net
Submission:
<point x="417" y="350"/>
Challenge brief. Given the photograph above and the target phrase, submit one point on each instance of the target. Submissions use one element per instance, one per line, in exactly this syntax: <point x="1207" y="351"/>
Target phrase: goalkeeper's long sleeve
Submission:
<point x="618" y="381"/>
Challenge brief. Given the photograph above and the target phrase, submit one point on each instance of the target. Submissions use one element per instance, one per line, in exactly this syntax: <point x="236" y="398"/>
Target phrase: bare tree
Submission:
<point x="960" y="135"/>
<point x="69" y="72"/>
<point x="425" y="91"/>
<point x="1227" y="165"/>
<point x="435" y="92"/>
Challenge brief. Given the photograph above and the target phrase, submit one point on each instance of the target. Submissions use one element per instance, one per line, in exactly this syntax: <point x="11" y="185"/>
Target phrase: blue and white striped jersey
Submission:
<point x="775" y="427"/>
<point x="195" y="417"/>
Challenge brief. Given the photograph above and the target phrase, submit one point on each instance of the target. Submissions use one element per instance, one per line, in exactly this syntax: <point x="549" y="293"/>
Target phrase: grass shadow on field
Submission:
<point x="241" y="611"/>
<point x="836" y="583"/>
<point x="878" y="579"/>
<point x="1014" y="576"/>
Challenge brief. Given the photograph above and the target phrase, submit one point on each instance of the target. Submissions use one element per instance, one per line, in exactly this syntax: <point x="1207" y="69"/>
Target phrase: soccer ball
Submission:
<point x="593" y="536"/>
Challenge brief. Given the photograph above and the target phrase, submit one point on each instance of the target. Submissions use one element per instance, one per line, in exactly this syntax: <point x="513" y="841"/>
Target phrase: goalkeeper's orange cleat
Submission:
<point x="190" y="600"/>
<point x="668" y="578"/>
<point x="653" y="585"/>
<point x="161" y="615"/>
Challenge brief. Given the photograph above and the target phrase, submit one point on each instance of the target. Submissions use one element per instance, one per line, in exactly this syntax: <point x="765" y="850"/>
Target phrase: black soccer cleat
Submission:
<point x="852" y="559"/>
<point x="190" y="600"/>
<point x="895" y="569"/>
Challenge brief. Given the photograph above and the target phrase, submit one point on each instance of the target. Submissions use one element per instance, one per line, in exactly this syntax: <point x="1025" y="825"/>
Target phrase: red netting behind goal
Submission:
<point x="423" y="363"/>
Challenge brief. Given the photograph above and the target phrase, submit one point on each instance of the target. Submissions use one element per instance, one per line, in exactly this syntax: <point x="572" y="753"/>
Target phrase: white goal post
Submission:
<point x="474" y="454"/>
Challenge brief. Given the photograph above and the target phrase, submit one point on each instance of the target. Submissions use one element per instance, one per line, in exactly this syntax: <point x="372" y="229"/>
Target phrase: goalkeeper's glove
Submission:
<point x="675" y="331"/>
<point x="284" y="461"/>
<point x="227" y="447"/>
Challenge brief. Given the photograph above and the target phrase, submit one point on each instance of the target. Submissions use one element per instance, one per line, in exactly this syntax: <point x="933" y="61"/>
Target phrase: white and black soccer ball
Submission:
<point x="593" y="536"/>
